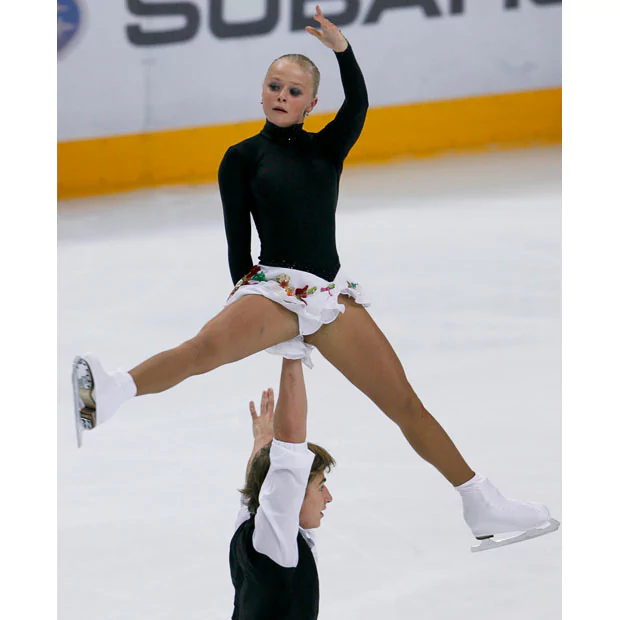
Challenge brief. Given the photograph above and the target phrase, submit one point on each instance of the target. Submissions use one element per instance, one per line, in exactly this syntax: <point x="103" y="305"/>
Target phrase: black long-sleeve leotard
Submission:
<point x="287" y="179"/>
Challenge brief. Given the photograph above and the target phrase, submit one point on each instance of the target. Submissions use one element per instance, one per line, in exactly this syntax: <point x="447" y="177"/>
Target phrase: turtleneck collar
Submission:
<point x="282" y="134"/>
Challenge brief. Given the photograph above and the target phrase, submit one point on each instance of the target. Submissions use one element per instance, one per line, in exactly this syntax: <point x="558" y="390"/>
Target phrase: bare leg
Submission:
<point x="251" y="324"/>
<point x="358" y="349"/>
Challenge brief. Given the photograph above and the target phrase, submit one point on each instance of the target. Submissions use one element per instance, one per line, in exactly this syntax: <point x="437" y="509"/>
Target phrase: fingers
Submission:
<point x="270" y="402"/>
<point x="326" y="25"/>
<point x="313" y="31"/>
<point x="266" y="405"/>
<point x="319" y="17"/>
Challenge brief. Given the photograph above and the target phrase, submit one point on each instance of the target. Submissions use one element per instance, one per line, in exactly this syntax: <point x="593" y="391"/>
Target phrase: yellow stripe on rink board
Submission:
<point x="121" y="163"/>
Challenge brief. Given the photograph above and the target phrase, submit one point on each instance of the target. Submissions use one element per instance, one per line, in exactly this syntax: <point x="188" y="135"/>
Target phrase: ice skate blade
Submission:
<point x="83" y="404"/>
<point x="79" y="429"/>
<point x="491" y="543"/>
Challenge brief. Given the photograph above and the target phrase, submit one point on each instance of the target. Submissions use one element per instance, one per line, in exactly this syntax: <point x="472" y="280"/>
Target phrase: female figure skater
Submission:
<point x="297" y="297"/>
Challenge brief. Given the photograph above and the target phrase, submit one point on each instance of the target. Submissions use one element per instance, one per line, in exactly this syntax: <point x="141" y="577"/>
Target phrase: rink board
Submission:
<point x="121" y="163"/>
<point x="152" y="93"/>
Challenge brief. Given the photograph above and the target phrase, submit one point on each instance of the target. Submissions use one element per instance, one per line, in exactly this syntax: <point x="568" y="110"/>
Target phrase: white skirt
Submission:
<point x="312" y="299"/>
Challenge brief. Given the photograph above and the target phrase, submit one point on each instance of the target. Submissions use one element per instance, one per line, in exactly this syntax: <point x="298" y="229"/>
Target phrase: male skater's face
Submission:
<point x="287" y="93"/>
<point x="315" y="502"/>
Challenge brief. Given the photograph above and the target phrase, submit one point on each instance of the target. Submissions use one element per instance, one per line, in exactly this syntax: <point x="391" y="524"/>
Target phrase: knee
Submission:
<point x="409" y="409"/>
<point x="202" y="353"/>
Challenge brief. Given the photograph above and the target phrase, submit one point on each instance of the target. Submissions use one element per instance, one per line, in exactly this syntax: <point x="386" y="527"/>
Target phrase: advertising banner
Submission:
<point x="138" y="66"/>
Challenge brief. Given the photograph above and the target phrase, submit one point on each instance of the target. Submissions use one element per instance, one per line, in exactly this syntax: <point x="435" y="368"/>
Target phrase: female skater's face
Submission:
<point x="315" y="502"/>
<point x="287" y="93"/>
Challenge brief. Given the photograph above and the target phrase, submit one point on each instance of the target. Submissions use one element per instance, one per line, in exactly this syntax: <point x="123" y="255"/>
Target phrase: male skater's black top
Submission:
<point x="272" y="561"/>
<point x="265" y="590"/>
<point x="288" y="179"/>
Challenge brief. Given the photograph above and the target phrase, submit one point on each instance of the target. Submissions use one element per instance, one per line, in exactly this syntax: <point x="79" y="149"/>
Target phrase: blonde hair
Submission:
<point x="305" y="63"/>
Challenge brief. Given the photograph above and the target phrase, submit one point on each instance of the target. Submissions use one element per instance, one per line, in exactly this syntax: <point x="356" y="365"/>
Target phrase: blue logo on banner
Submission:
<point x="68" y="21"/>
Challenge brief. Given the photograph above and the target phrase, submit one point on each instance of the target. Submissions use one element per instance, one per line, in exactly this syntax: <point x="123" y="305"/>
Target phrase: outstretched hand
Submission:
<point x="262" y="425"/>
<point x="329" y="35"/>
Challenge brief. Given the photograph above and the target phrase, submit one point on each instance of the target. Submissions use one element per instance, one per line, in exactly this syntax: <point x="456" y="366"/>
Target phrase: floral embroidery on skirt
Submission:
<point x="302" y="293"/>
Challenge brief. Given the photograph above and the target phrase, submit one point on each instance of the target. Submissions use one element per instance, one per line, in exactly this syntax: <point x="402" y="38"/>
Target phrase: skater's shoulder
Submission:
<point x="241" y="540"/>
<point x="242" y="151"/>
<point x="249" y="143"/>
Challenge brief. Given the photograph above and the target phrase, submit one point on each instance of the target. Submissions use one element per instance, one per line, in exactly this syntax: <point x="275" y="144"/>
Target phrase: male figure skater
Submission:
<point x="272" y="553"/>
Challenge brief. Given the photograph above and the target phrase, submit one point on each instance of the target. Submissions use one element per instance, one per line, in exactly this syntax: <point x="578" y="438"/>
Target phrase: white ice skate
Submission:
<point x="497" y="521"/>
<point x="97" y="394"/>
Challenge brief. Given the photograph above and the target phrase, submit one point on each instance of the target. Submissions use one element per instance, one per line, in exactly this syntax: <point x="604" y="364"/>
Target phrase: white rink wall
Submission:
<point x="129" y="70"/>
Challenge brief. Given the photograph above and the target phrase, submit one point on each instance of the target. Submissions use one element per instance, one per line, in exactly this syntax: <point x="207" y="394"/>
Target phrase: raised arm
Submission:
<point x="262" y="425"/>
<point x="292" y="410"/>
<point x="234" y="187"/>
<point x="292" y="407"/>
<point x="284" y="488"/>
<point x="342" y="133"/>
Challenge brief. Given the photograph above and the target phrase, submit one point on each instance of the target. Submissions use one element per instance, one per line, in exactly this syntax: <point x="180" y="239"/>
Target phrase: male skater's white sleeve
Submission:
<point x="280" y="499"/>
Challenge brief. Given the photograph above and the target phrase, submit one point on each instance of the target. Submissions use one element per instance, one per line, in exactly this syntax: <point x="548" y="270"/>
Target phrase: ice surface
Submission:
<point x="461" y="257"/>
